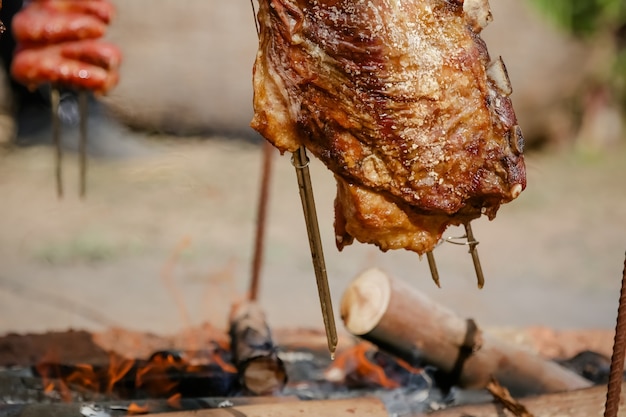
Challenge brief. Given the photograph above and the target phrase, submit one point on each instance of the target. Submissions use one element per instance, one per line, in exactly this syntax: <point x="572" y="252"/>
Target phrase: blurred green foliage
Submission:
<point x="584" y="17"/>
<point x="600" y="19"/>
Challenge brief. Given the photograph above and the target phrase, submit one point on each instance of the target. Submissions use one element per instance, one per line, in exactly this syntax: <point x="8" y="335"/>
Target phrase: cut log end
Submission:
<point x="365" y="301"/>
<point x="405" y="322"/>
<point x="264" y="375"/>
<point x="261" y="371"/>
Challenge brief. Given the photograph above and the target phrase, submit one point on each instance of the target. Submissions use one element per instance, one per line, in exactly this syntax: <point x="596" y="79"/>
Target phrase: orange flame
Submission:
<point x="135" y="409"/>
<point x="174" y="401"/>
<point x="404" y="364"/>
<point x="85" y="377"/>
<point x="354" y="361"/>
<point x="155" y="376"/>
<point x="118" y="368"/>
<point x="226" y="367"/>
<point x="48" y="370"/>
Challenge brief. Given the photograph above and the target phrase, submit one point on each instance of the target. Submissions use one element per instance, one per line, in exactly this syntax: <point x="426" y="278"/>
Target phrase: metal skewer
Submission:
<point x="434" y="273"/>
<point x="472" y="249"/>
<point x="257" y="260"/>
<point x="55" y="99"/>
<point x="253" y="291"/>
<point x="301" y="163"/>
<point x="256" y="23"/>
<point x="82" y="143"/>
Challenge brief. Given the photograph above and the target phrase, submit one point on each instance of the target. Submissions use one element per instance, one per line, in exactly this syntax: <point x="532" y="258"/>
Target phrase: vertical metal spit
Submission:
<point x="55" y="100"/>
<point x="301" y="163"/>
<point x="83" y="110"/>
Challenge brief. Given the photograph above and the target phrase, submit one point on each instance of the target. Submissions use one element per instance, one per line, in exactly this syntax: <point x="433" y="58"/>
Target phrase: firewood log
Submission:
<point x="405" y="322"/>
<point x="587" y="402"/>
<point x="261" y="371"/>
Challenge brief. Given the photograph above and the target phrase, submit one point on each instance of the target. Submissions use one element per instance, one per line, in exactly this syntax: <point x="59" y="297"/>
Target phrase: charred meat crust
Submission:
<point x="398" y="98"/>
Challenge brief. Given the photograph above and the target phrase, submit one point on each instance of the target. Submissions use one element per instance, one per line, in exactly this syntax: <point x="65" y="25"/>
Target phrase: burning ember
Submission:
<point x="170" y="380"/>
<point x="362" y="366"/>
<point x="176" y="379"/>
<point x="166" y="374"/>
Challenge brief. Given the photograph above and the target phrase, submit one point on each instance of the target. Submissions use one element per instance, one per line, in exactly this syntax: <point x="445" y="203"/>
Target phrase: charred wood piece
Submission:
<point x="261" y="371"/>
<point x="162" y="376"/>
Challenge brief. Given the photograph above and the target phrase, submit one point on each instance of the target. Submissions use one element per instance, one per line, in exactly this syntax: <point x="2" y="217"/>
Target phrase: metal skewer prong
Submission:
<point x="301" y="163"/>
<point x="55" y="99"/>
<point x="82" y="143"/>
<point x="434" y="273"/>
<point x="472" y="242"/>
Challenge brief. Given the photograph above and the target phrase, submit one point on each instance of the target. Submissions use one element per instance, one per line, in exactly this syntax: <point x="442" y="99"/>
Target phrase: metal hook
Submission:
<point x="472" y="242"/>
<point x="467" y="239"/>
<point x="460" y="240"/>
<point x="300" y="165"/>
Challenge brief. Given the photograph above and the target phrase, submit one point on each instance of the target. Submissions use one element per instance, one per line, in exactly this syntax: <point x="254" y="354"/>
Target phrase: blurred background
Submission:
<point x="164" y="239"/>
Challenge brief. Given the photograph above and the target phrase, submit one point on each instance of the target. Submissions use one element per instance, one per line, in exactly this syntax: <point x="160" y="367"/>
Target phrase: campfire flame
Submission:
<point x="53" y="386"/>
<point x="363" y="366"/>
<point x="136" y="409"/>
<point x="118" y="367"/>
<point x="158" y="377"/>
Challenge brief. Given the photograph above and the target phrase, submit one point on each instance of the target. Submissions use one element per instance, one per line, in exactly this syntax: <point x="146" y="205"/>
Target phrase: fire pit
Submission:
<point x="119" y="372"/>
<point x="83" y="377"/>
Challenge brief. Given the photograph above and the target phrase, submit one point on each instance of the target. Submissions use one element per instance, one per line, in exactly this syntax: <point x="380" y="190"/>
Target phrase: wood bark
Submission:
<point x="587" y="402"/>
<point x="261" y="372"/>
<point x="405" y="322"/>
<point x="361" y="407"/>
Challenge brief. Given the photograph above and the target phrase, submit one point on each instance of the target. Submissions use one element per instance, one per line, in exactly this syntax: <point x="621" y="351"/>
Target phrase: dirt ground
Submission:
<point x="164" y="240"/>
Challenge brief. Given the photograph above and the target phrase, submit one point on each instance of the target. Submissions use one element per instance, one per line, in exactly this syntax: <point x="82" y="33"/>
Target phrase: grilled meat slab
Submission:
<point x="400" y="99"/>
